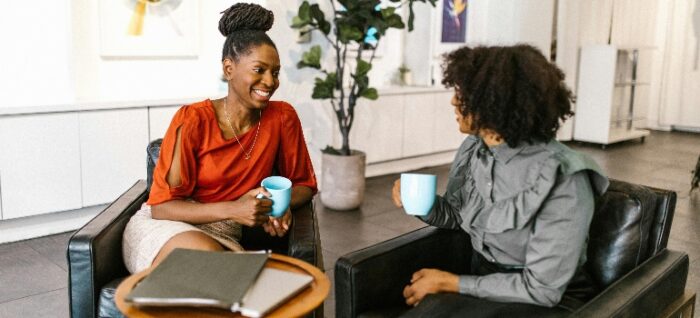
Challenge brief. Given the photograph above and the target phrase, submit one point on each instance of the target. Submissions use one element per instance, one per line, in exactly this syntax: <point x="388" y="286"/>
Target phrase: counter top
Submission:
<point x="87" y="105"/>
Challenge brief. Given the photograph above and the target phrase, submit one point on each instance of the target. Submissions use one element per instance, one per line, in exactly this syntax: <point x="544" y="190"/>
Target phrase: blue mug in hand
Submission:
<point x="418" y="193"/>
<point x="280" y="189"/>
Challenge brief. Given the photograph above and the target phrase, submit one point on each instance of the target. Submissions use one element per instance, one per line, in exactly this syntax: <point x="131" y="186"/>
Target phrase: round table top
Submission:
<point x="301" y="304"/>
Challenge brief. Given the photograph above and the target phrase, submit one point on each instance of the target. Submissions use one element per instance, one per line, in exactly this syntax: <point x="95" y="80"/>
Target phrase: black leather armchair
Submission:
<point x="627" y="257"/>
<point x="95" y="259"/>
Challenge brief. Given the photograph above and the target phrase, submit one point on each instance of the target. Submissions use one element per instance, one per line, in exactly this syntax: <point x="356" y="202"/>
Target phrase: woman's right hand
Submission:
<point x="250" y="210"/>
<point x="396" y="193"/>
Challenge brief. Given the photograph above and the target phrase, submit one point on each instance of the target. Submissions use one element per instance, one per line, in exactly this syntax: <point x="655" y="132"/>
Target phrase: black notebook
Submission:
<point x="199" y="278"/>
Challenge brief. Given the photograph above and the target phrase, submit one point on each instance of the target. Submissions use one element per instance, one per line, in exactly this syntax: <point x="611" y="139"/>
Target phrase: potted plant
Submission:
<point x="355" y="26"/>
<point x="405" y="75"/>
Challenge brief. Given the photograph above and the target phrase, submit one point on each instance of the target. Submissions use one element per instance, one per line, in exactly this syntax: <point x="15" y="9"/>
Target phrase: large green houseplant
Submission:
<point x="355" y="27"/>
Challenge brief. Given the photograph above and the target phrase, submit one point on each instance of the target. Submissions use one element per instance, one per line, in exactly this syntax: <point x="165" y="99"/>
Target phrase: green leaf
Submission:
<point x="298" y="22"/>
<point x="370" y="93"/>
<point x="331" y="151"/>
<point x="323" y="88"/>
<point x="347" y="33"/>
<point x="312" y="58"/>
<point x="394" y="21"/>
<point x="325" y="27"/>
<point x="318" y="15"/>
<point x="305" y="11"/>
<point x="387" y="12"/>
<point x="362" y="83"/>
<point x="362" y="68"/>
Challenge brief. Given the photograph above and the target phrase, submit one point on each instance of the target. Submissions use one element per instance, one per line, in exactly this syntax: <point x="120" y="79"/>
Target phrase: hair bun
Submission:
<point x="245" y="16"/>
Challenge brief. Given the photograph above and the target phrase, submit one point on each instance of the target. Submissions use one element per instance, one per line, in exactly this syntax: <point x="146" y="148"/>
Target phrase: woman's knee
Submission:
<point x="191" y="240"/>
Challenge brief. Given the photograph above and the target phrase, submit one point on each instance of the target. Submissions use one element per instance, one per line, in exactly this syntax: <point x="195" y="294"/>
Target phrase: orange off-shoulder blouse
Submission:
<point x="214" y="169"/>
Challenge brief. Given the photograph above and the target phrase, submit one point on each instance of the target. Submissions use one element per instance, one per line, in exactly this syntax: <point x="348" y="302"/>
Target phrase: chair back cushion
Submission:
<point x="152" y="153"/>
<point x="625" y="231"/>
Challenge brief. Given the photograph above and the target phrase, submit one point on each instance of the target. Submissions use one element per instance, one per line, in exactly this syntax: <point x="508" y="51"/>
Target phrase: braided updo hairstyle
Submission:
<point x="244" y="26"/>
<point x="512" y="90"/>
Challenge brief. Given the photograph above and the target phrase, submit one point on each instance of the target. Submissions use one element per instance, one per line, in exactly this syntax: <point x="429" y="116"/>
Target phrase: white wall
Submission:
<point x="503" y="22"/>
<point x="115" y="79"/>
<point x="60" y="61"/>
<point x="674" y="72"/>
<point x="35" y="63"/>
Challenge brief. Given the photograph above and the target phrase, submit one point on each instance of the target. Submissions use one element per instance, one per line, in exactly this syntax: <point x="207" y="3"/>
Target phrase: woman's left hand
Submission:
<point x="278" y="226"/>
<point x="429" y="281"/>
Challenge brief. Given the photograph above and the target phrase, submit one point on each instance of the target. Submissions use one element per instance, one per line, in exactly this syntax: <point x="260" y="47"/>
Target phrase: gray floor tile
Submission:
<point x="342" y="237"/>
<point x="52" y="304"/>
<point x="25" y="272"/>
<point x="53" y="248"/>
<point x="329" y="259"/>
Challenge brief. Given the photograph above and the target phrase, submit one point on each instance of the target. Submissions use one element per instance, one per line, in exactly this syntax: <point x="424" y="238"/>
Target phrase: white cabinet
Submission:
<point x="446" y="134"/>
<point x="39" y="164"/>
<point x="418" y="124"/>
<point x="159" y="119"/>
<point x="401" y="125"/>
<point x="378" y="127"/>
<point x="112" y="152"/>
<point x="608" y="88"/>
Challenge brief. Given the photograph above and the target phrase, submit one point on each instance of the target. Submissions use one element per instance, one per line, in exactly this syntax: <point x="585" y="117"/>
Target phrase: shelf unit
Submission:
<point x="607" y="86"/>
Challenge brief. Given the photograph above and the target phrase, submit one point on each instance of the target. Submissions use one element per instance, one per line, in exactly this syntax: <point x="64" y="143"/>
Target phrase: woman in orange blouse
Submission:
<point x="216" y="152"/>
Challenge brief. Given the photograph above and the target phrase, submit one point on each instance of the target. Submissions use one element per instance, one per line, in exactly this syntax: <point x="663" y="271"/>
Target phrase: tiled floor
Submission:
<point x="33" y="276"/>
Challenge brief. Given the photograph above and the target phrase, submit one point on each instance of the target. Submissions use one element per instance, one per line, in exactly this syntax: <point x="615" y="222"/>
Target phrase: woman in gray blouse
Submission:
<point x="525" y="199"/>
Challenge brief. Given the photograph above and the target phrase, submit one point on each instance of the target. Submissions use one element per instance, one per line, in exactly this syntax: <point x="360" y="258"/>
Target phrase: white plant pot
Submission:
<point x="407" y="78"/>
<point x="343" y="180"/>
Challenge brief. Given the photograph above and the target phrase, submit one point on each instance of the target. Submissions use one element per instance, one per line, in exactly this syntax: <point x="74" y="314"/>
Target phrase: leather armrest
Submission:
<point x="374" y="277"/>
<point x="95" y="251"/>
<point x="304" y="238"/>
<point x="645" y="291"/>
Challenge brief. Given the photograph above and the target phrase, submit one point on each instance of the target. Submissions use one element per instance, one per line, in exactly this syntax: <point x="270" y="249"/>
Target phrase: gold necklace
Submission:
<point x="228" y="120"/>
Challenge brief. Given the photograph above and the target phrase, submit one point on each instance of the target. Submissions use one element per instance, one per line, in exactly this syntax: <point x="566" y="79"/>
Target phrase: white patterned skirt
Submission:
<point x="144" y="237"/>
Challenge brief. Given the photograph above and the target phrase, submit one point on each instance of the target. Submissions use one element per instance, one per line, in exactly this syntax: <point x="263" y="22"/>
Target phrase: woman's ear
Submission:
<point x="228" y="66"/>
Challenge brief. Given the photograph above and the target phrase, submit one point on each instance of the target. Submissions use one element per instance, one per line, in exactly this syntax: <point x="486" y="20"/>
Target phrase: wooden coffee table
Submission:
<point x="299" y="305"/>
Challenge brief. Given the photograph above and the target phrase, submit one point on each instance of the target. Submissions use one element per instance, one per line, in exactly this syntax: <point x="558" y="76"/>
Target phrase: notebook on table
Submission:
<point x="237" y="282"/>
<point x="272" y="288"/>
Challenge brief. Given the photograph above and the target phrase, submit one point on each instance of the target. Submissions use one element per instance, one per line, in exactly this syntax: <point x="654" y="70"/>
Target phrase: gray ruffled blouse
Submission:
<point x="529" y="207"/>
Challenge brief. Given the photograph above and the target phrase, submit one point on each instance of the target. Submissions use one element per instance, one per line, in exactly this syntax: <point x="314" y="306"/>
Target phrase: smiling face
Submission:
<point x="254" y="78"/>
<point x="465" y="122"/>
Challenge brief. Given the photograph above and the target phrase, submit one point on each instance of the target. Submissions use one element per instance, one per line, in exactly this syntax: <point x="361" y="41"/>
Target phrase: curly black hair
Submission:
<point x="512" y="90"/>
<point x="244" y="26"/>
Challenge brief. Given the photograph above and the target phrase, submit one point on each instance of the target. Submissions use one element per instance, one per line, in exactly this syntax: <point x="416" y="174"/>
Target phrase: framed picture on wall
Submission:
<point x="454" y="21"/>
<point x="148" y="28"/>
<point x="450" y="31"/>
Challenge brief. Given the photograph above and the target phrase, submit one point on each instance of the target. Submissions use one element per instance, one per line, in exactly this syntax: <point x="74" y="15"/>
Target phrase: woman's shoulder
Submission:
<point x="195" y="113"/>
<point x="569" y="162"/>
<point x="282" y="111"/>
<point x="469" y="144"/>
<point x="281" y="108"/>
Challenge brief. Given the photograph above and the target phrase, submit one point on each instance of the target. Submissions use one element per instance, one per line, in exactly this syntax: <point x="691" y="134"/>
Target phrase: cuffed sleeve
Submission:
<point x="443" y="215"/>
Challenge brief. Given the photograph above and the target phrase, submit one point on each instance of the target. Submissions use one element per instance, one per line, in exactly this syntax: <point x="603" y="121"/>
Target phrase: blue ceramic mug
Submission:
<point x="280" y="189"/>
<point x="418" y="192"/>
